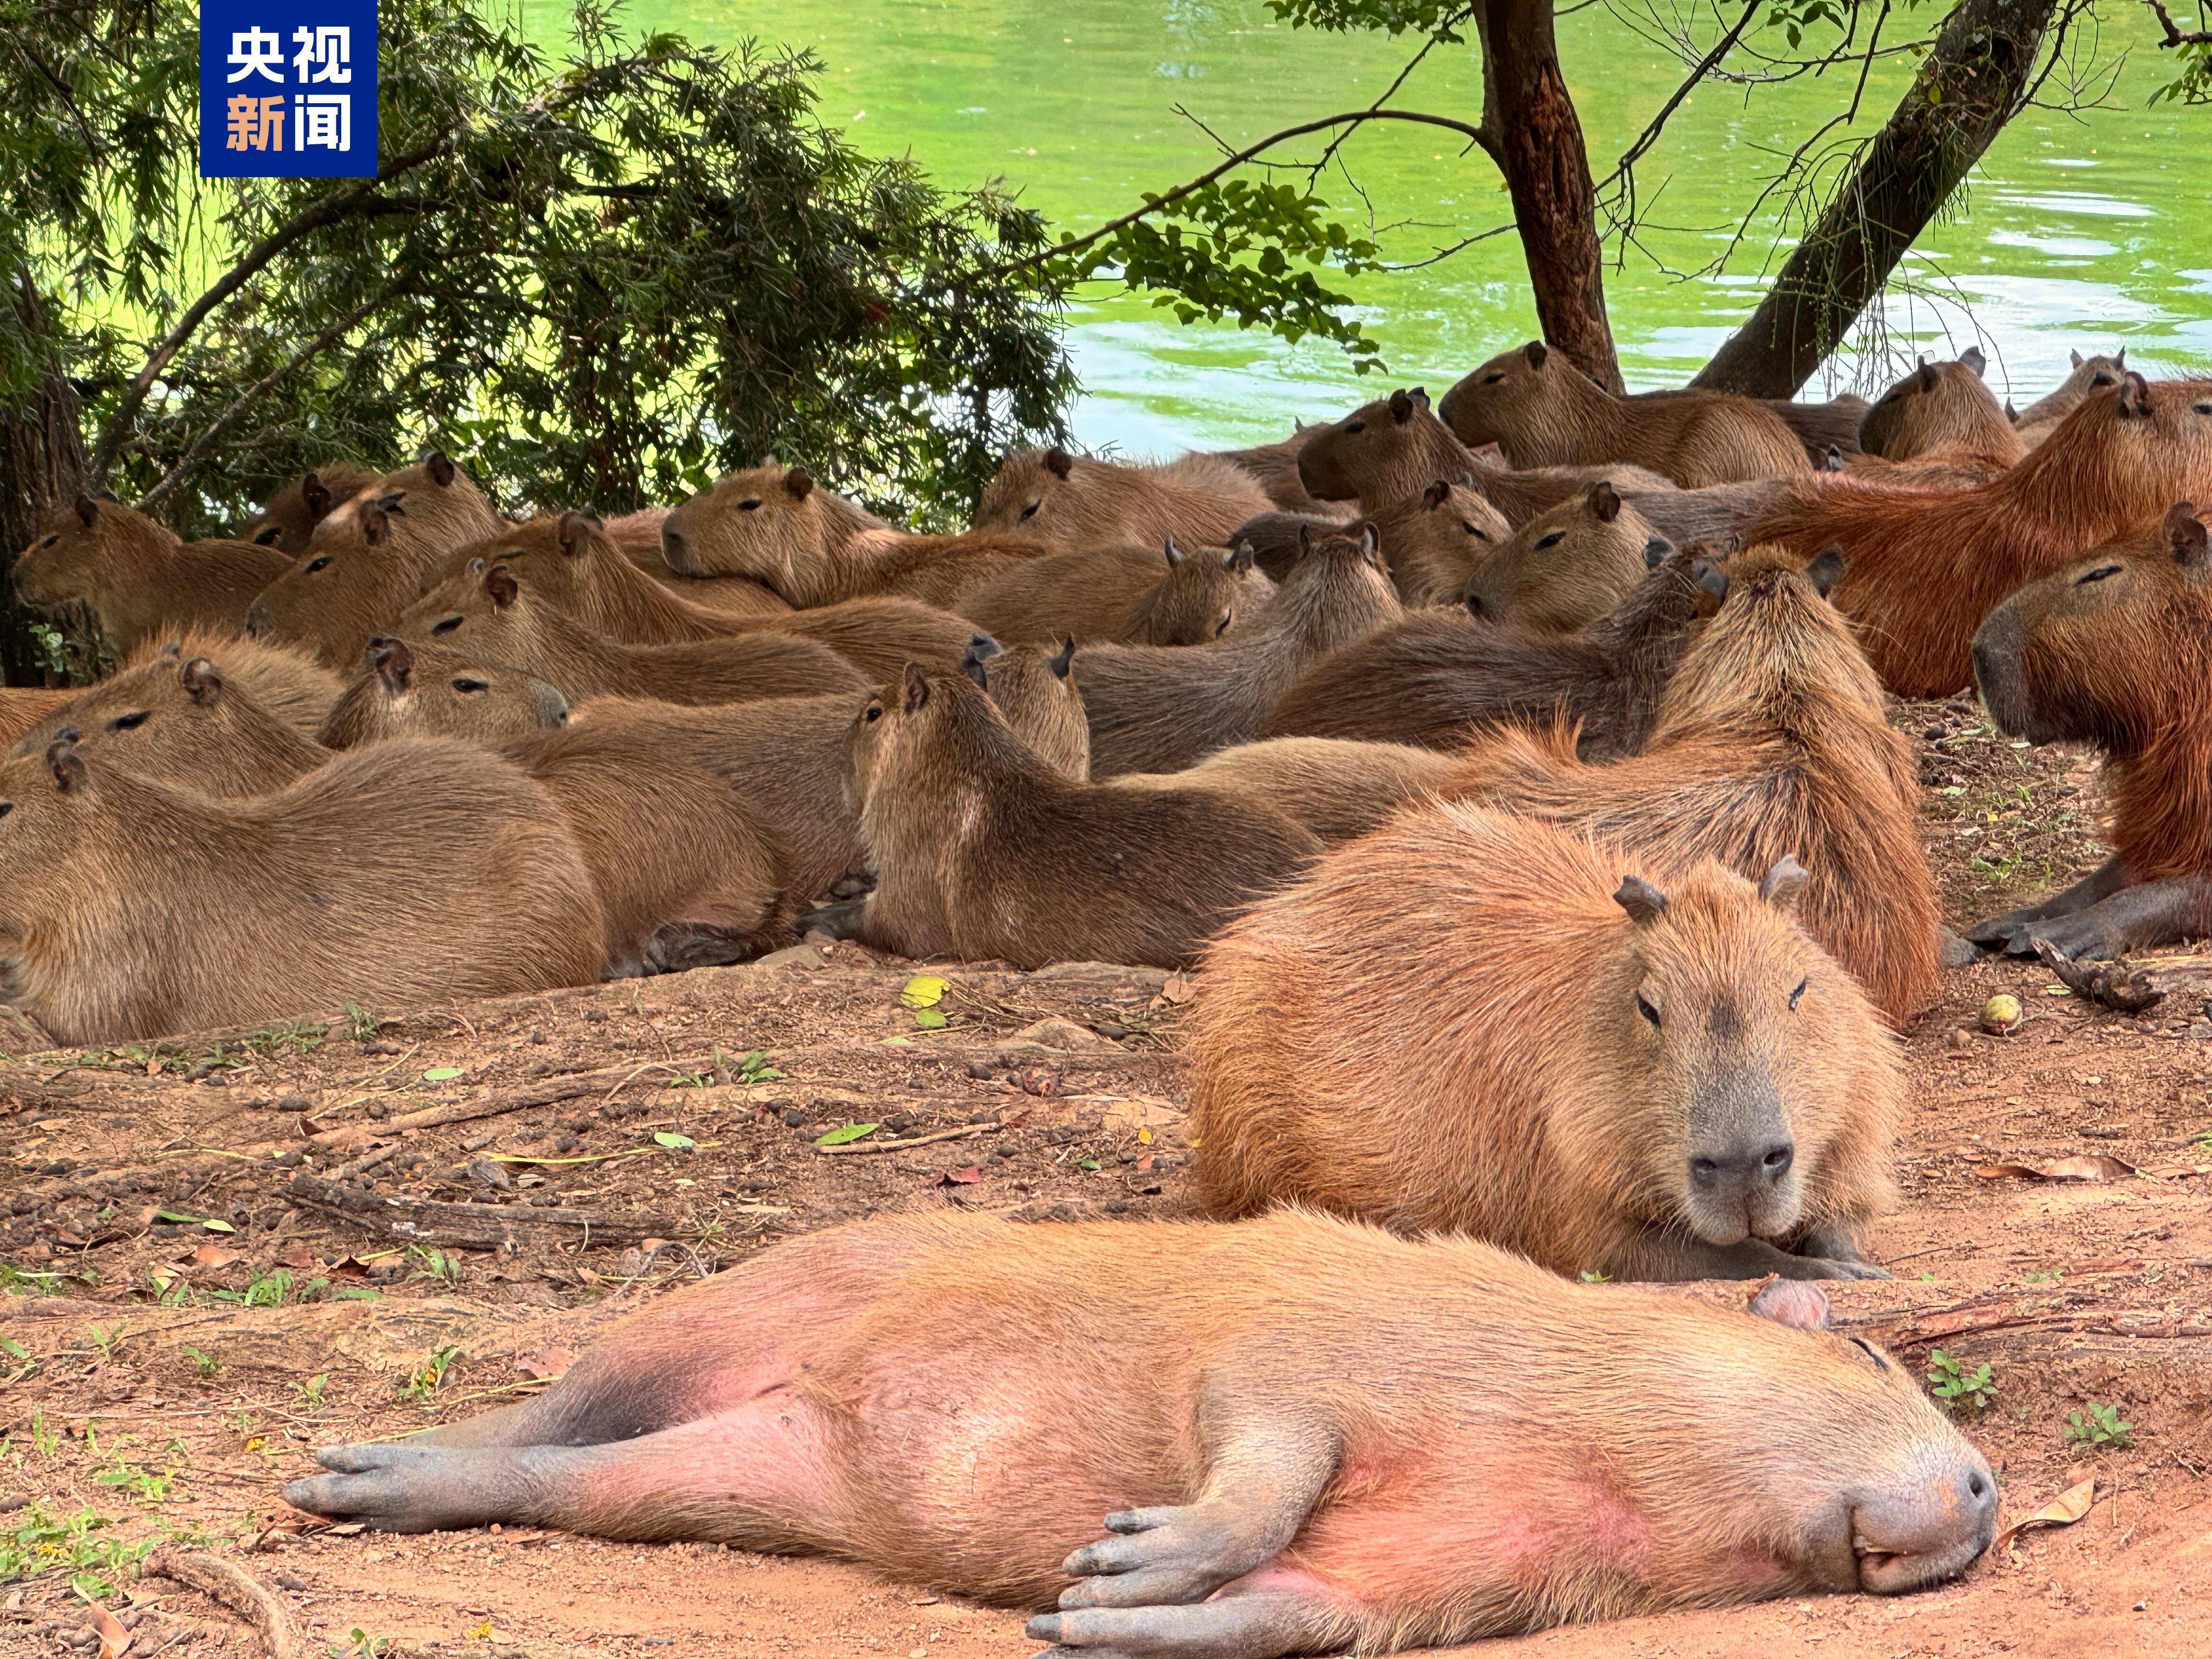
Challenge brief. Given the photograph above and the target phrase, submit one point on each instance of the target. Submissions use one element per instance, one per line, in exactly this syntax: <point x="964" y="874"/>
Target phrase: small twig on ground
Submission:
<point x="2112" y="985"/>
<point x="964" y="1132"/>
<point x="239" y="1591"/>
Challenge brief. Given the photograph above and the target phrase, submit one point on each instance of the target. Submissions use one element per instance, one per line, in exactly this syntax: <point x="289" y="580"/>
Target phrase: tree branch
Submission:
<point x="1624" y="171"/>
<point x="2174" y="36"/>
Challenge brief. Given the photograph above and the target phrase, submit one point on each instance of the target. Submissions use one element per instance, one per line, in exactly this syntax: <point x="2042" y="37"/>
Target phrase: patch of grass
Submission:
<point x="299" y="1037"/>
<point x="1965" y="1392"/>
<point x="2044" y="1276"/>
<point x="143" y="1483"/>
<point x="18" y="1356"/>
<point x="23" y="1281"/>
<point x="272" y="1290"/>
<point x="205" y="1366"/>
<point x="2101" y="1429"/>
<point x="422" y="1384"/>
<point x="361" y="1023"/>
<point x="308" y="1396"/>
<point x="434" y="1265"/>
<point x="33" y="1543"/>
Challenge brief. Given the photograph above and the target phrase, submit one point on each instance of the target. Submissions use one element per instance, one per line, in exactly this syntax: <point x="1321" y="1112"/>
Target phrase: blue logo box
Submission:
<point x="287" y="89"/>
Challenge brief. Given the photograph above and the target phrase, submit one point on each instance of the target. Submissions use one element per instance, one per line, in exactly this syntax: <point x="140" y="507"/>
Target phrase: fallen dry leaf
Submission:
<point x="959" y="1177"/>
<point x="2095" y="1167"/>
<point x="2063" y="1511"/>
<point x="214" y="1256"/>
<point x="1178" y="987"/>
<point x="550" y="1362"/>
<point x="114" y="1640"/>
<point x="296" y="1256"/>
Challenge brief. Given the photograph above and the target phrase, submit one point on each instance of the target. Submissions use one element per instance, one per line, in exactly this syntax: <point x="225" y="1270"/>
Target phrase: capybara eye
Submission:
<point x="1643" y="1007"/>
<point x="1798" y="992"/>
<point x="1356" y="426"/>
<point x="1492" y="380"/>
<point x="1880" y="1362"/>
<point x="874" y="712"/>
<point x="1474" y="530"/>
<point x="49" y="541"/>
<point x="1222" y="627"/>
<point x="749" y="504"/>
<point x="446" y="626"/>
<point x="1552" y="539"/>
<point x="471" y="685"/>
<point x="314" y="565"/>
<point x="2201" y="408"/>
<point x="128" y="722"/>
<point x="268" y="536"/>
<point x="1029" y="511"/>
<point x="2096" y="575"/>
<point x="6" y="807"/>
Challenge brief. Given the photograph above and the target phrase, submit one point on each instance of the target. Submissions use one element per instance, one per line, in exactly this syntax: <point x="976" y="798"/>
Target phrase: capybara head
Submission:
<point x="427" y="689"/>
<point x="481" y="608"/>
<point x="1339" y="592"/>
<point x="1936" y="404"/>
<point x="2086" y="375"/>
<point x="86" y="551"/>
<point x="1773" y="627"/>
<point x="1201" y="595"/>
<point x="290" y="515"/>
<point x="1564" y="568"/>
<point x="557" y="555"/>
<point x="1032" y="488"/>
<point x="1341" y="462"/>
<point x="180" y="721"/>
<point x="1033" y="687"/>
<point x="1504" y="396"/>
<point x="1434" y="540"/>
<point x="770" y="522"/>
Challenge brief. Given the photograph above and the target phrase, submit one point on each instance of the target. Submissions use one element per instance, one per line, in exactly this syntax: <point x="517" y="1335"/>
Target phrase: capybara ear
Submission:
<point x="88" y="511"/>
<point x="981" y="648"/>
<point x="393" y="661"/>
<point x="440" y="466"/>
<point x="2184" y="533"/>
<point x="1835" y="459"/>
<point x="2011" y="414"/>
<point x="1926" y="375"/>
<point x="798" y="483"/>
<point x="1656" y="551"/>
<point x="1242" y="558"/>
<point x="915" y="688"/>
<point x="477" y="566"/>
<point x="2121" y="358"/>
<point x="375" y="524"/>
<point x="499" y="582"/>
<point x="1605" y="500"/>
<point x="1971" y="356"/>
<point x="573" y="530"/>
<point x="2135" y="396"/>
<point x="393" y="500"/>
<point x="1536" y="351"/>
<point x="980" y="645"/>
<point x="1370" y="541"/>
<point x="1436" y="495"/>
<point x="1305" y="539"/>
<point x="64" y="762"/>
<point x="1826" y="570"/>
<point x="972" y="667"/>
<point x="201" y="681"/>
<point x="1797" y="1303"/>
<point x="1175" y="555"/>
<point x="315" y="496"/>
<point x="1642" y="902"/>
<point x="1780" y="884"/>
<point x="1063" y="659"/>
<point x="2076" y="356"/>
<point x="1419" y="394"/>
<point x="1058" y="462"/>
<point x="1402" y="407"/>
<point x="1713" y="580"/>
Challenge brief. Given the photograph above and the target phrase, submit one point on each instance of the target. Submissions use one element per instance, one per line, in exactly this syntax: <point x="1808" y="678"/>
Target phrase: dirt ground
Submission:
<point x="224" y="1251"/>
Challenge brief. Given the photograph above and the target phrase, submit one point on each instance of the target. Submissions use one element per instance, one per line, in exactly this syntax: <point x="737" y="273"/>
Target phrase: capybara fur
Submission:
<point x="1436" y="678"/>
<point x="1163" y="595"/>
<point x="1565" y="569"/>
<point x="968" y="829"/>
<point x="2041" y="418"/>
<point x="133" y="577"/>
<point x="23" y="708"/>
<point x="1435" y="540"/>
<point x="193" y="730"/>
<point x="1276" y="467"/>
<point x="426" y="690"/>
<point x="1926" y="566"/>
<point x="284" y="682"/>
<point x="811" y="547"/>
<point x="1542" y="410"/>
<point x="1071" y="502"/>
<point x="1474" y="1022"/>
<point x="1213" y="594"/>
<point x="1770" y="742"/>
<point x="123" y="920"/>
<point x="1942" y="408"/>
<point x="289" y="517"/>
<point x="1296" y="1435"/>
<point x="1337" y="787"/>
<point x="1820" y="427"/>
<point x="1034" y="687"/>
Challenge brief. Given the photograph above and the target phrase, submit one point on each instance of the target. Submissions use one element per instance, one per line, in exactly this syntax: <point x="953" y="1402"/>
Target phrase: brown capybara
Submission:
<point x="1820" y="427"/>
<point x="432" y="691"/>
<point x="1337" y="787"/>
<point x="286" y="684"/>
<point x="2041" y="418"/>
<point x="1769" y="743"/>
<point x="967" y="828"/>
<point x="488" y="612"/>
<point x="1470" y="1021"/>
<point x="1123" y="595"/>
<point x="1215" y="593"/>
<point x="122" y="917"/>
<point x="1436" y="678"/>
<point x="369" y="557"/>
<point x="133" y="577"/>
<point x="1926" y="566"/>
<point x="1942" y="408"/>
<point x="1072" y="501"/>
<point x="1565" y="569"/>
<point x="1156" y="710"/>
<point x="1275" y="466"/>
<point x="1434" y="541"/>
<point x="2115" y="651"/>
<point x="811" y="547"/>
<point x="637" y="535"/>
<point x="1542" y="410"/>
<point x="195" y="732"/>
<point x="289" y="517"/>
<point x="23" y="708"/>
<point x="1035" y="688"/>
<point x="1303" y="1436"/>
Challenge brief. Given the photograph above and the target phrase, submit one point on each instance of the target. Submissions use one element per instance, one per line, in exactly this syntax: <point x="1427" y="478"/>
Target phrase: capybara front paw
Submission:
<point x="2007" y="934"/>
<point x="1156" y="1558"/>
<point x="2080" y="937"/>
<point x="398" y="1488"/>
<point x="838" y="921"/>
<point x="1832" y="1266"/>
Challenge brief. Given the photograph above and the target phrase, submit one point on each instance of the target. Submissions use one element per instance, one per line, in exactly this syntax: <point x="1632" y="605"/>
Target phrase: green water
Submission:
<point x="2085" y="232"/>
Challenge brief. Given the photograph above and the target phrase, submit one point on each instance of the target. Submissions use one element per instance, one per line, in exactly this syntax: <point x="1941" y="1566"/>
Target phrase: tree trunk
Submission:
<point x="1970" y="86"/>
<point x="1536" y="139"/>
<point x="42" y="466"/>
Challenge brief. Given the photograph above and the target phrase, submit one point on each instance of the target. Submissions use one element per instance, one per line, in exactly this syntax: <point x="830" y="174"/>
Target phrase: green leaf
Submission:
<point x="924" y="991"/>
<point x="845" y="1136"/>
<point x="1088" y="1163"/>
<point x="215" y="1226"/>
<point x="929" y="1019"/>
<point x="674" y="1142"/>
<point x="441" y="1074"/>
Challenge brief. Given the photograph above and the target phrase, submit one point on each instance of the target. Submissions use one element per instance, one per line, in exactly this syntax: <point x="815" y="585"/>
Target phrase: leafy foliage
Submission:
<point x="1962" y="1391"/>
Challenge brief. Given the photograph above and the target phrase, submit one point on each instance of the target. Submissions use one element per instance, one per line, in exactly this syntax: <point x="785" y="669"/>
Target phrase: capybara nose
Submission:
<point x="1713" y="1172"/>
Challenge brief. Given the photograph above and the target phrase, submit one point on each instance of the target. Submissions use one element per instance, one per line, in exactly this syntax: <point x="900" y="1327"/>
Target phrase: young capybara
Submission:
<point x="1565" y="569"/>
<point x="1037" y="691"/>
<point x="1156" y="710"/>
<point x="288" y="684"/>
<point x="133" y="577"/>
<point x="1769" y="743"/>
<point x="1214" y="593"/>
<point x="476" y="889"/>
<point x="432" y="691"/>
<point x="2115" y="652"/>
<point x="1337" y="787"/>
<point x="1542" y="410"/>
<point x="1123" y="595"/>
<point x="1071" y="502"/>
<point x="1436" y="678"/>
<point x="289" y="517"/>
<point x="488" y="612"/>
<point x="1474" y="1022"/>
<point x="1303" y="1436"/>
<point x="2041" y="418"/>
<point x="1942" y="408"/>
<point x="194" y="730"/>
<point x="811" y="547"/>
<point x="1926" y="566"/>
<point x="969" y="830"/>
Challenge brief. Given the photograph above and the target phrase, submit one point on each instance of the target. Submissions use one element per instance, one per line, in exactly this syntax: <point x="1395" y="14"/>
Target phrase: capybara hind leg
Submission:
<point x="417" y="1488"/>
<point x="2008" y="932"/>
<point x="2137" y="918"/>
<point x="1255" y="1625"/>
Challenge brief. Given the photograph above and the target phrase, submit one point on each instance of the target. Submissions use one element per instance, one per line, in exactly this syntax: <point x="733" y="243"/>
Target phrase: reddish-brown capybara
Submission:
<point x="133" y="577"/>
<point x="432" y="691"/>
<point x="1565" y="569"/>
<point x="1820" y="427"/>
<point x="289" y="517"/>
<point x="286" y="684"/>
<point x="1943" y="409"/>
<point x="969" y="831"/>
<point x="811" y="547"/>
<point x="2117" y="651"/>
<point x="1542" y="410"/>
<point x="1470" y="1021"/>
<point x="1337" y="787"/>
<point x="1769" y="743"/>
<point x="401" y="874"/>
<point x="1926" y="566"/>
<point x="2041" y="418"/>
<point x="1071" y="502"/>
<point x="1124" y="595"/>
<point x="1296" y="1436"/>
<point x="194" y="730"/>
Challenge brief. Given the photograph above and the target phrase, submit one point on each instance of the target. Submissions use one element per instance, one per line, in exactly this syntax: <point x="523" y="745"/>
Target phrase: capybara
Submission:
<point x="1337" y="787"/>
<point x="195" y="732"/>
<point x="488" y="612"/>
<point x="1565" y="569"/>
<point x="1072" y="501"/>
<point x="1213" y="594"/>
<point x="1542" y="410"/>
<point x="1942" y="408"/>
<point x="1035" y="690"/>
<point x="284" y="682"/>
<point x="1432" y="539"/>
<point x="811" y="547"/>
<point x="289" y="517"/>
<point x="1926" y="566"/>
<point x="1302" y="1436"/>
<point x="1770" y="742"/>
<point x="23" y="708"/>
<point x="1435" y="677"/>
<point x="1156" y="710"/>
<point x="400" y="874"/>
<point x="1276" y="467"/>
<point x="426" y="691"/>
<point x="2041" y="418"/>
<point x="1820" y="427"/>
<point x="967" y="828"/>
<point x="1474" y="1022"/>
<point x="2115" y="652"/>
<point x="133" y="577"/>
<point x="1124" y="595"/>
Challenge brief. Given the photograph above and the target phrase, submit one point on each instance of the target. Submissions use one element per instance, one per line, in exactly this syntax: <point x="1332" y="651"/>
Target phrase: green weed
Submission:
<point x="2100" y="1430"/>
<point x="1964" y="1392"/>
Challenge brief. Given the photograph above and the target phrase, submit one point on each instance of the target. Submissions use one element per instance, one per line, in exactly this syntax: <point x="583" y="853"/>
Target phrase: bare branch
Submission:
<point x="1624" y="171"/>
<point x="1438" y="33"/>
<point x="2176" y="36"/>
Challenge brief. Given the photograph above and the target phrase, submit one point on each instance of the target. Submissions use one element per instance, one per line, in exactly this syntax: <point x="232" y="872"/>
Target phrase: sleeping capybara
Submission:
<point x="193" y="730"/>
<point x="1432" y="539"/>
<point x="1565" y="569"/>
<point x="1035" y="688"/>
<point x="1337" y="787"/>
<point x="2115" y="652"/>
<point x="427" y="690"/>
<point x="1437" y="676"/>
<point x="1302" y="1435"/>
<point x="1116" y="594"/>
<point x="1769" y="743"/>
<point x="1469" y="1021"/>
<point x="284" y="682"/>
<point x="1542" y="410"/>
<point x="1942" y="408"/>
<point x="1820" y="426"/>
<point x="969" y="829"/>
<point x="1214" y="593"/>
<point x="475" y="890"/>
<point x="289" y="517"/>
<point x="2041" y="418"/>
<point x="1275" y="466"/>
<point x="1926" y="566"/>
<point x="132" y="576"/>
<point x="811" y="547"/>
<point x="1071" y="502"/>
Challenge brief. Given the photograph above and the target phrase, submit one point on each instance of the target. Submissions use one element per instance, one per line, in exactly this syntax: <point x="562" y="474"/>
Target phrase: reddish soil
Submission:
<point x="167" y="1375"/>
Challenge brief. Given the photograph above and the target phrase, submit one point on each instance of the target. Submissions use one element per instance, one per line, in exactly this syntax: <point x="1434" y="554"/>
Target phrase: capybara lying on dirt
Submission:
<point x="1566" y="569"/>
<point x="1337" y="787"/>
<point x="432" y="691"/>
<point x="2117" y="651"/>
<point x="287" y="683"/>
<point x="1471" y="1021"/>
<point x="1072" y="502"/>
<point x="1263" y="1415"/>
<point x="133" y="576"/>
<point x="474" y="890"/>
<point x="289" y="517"/>
<point x="1942" y="408"/>
<point x="1124" y="595"/>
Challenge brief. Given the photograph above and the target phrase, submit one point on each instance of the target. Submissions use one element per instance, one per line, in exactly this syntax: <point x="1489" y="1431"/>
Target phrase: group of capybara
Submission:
<point x="1513" y="770"/>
